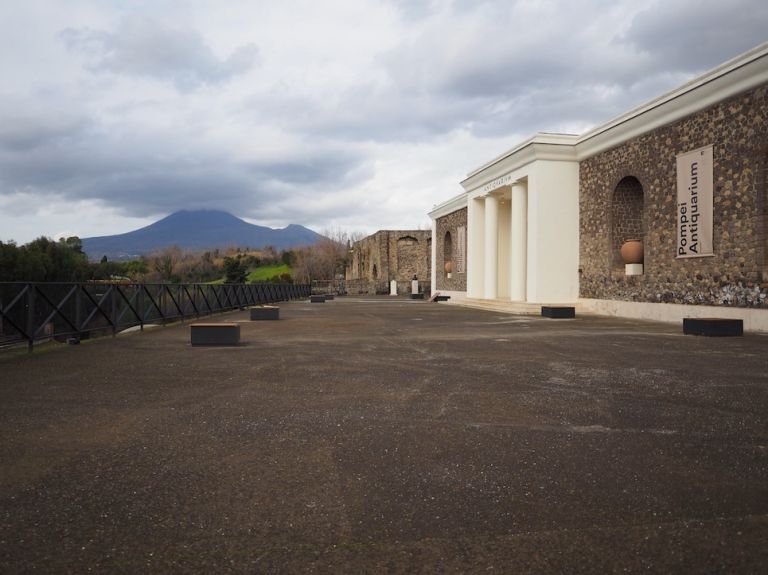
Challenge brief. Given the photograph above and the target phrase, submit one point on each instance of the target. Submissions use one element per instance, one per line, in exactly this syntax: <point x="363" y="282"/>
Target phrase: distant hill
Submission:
<point x="198" y="231"/>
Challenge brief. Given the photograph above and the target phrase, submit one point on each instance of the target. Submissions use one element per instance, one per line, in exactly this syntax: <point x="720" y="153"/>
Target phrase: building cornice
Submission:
<point x="554" y="147"/>
<point x="448" y="207"/>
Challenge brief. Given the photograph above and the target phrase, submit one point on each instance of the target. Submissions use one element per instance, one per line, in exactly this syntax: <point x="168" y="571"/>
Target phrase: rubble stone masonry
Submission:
<point x="451" y="224"/>
<point x="737" y="274"/>
<point x="390" y="255"/>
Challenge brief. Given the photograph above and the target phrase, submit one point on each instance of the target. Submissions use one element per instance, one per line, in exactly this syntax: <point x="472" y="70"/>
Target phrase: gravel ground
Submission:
<point x="388" y="435"/>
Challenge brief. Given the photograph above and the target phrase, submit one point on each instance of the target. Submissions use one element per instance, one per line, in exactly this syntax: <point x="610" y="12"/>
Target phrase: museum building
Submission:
<point x="681" y="180"/>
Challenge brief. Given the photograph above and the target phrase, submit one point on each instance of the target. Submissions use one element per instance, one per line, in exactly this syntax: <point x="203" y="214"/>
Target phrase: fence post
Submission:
<point x="161" y="301"/>
<point x="79" y="310"/>
<point x="178" y="302"/>
<point x="140" y="306"/>
<point x="30" y="317"/>
<point x="113" y="309"/>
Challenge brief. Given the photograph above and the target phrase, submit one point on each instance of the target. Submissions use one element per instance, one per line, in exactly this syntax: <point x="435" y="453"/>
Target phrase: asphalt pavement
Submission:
<point x="386" y="435"/>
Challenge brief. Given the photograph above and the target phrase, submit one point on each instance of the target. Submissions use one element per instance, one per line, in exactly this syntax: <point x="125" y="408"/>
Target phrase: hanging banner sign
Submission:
<point x="694" y="203"/>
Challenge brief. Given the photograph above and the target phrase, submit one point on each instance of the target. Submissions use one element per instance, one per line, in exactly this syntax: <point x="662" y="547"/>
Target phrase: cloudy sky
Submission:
<point x="335" y="114"/>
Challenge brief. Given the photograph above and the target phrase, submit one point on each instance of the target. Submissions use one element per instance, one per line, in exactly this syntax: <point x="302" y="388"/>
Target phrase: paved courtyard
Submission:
<point x="389" y="435"/>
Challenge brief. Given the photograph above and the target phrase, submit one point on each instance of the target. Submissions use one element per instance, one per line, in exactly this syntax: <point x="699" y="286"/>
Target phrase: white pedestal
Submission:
<point x="393" y="287"/>
<point x="633" y="269"/>
<point x="415" y="286"/>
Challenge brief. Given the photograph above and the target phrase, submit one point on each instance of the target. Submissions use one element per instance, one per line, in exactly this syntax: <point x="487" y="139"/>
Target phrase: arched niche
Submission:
<point x="447" y="250"/>
<point x="627" y="216"/>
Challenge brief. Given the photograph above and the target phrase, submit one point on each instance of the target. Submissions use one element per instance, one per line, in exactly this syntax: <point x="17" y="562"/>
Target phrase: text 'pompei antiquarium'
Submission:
<point x="660" y="213"/>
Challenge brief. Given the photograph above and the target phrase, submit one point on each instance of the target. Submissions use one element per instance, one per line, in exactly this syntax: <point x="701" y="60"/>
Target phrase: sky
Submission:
<point x="337" y="115"/>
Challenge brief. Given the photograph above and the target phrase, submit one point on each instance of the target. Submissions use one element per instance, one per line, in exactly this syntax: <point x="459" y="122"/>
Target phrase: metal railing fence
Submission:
<point x="34" y="312"/>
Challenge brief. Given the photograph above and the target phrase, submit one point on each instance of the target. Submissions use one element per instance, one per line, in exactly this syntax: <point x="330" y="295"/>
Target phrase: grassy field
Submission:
<point x="264" y="273"/>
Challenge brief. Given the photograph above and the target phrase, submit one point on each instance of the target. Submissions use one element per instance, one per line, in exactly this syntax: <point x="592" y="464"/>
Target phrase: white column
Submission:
<point x="504" y="243"/>
<point x="491" y="246"/>
<point x="433" y="262"/>
<point x="519" y="241"/>
<point x="476" y="248"/>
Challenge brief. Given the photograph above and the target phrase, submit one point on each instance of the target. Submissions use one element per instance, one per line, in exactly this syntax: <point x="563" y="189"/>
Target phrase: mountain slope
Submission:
<point x="196" y="230"/>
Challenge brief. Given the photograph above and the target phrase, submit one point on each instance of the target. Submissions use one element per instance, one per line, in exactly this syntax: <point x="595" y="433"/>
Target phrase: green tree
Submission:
<point x="44" y="260"/>
<point x="135" y="269"/>
<point x="74" y="243"/>
<point x="288" y="257"/>
<point x="9" y="261"/>
<point x="235" y="271"/>
<point x="165" y="263"/>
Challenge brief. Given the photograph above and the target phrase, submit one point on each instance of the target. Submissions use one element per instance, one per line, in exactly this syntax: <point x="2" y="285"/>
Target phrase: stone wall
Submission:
<point x="391" y="254"/>
<point x="451" y="225"/>
<point x="738" y="273"/>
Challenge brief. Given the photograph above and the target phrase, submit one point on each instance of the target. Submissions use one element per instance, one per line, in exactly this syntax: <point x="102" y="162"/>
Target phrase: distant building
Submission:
<point x="390" y="255"/>
<point x="686" y="174"/>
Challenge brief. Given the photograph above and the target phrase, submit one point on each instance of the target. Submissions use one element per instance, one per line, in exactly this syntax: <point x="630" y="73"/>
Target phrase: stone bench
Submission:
<point x="558" y="312"/>
<point x="215" y="333"/>
<point x="328" y="296"/>
<point x="317" y="299"/>
<point x="265" y="312"/>
<point x="442" y="297"/>
<point x="713" y="326"/>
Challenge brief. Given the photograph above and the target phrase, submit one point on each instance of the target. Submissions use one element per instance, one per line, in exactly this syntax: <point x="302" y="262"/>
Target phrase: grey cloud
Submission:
<point x="25" y="129"/>
<point x="362" y="114"/>
<point x="695" y="35"/>
<point x="506" y="67"/>
<point x="496" y="77"/>
<point x="145" y="176"/>
<point x="319" y="170"/>
<point x="142" y="47"/>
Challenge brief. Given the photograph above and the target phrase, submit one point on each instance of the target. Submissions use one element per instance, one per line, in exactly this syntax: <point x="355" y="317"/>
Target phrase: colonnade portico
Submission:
<point x="523" y="224"/>
<point x="498" y="242"/>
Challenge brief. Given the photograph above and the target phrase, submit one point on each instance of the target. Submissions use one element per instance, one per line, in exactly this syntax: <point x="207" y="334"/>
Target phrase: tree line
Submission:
<point x="47" y="260"/>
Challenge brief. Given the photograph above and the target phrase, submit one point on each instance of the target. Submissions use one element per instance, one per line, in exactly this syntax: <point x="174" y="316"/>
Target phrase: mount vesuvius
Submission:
<point x="196" y="230"/>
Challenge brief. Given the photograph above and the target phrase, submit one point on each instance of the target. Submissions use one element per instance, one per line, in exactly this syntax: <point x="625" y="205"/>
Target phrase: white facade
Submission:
<point x="523" y="224"/>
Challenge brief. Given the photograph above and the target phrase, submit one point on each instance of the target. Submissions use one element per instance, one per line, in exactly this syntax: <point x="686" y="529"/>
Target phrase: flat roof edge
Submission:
<point x="455" y="203"/>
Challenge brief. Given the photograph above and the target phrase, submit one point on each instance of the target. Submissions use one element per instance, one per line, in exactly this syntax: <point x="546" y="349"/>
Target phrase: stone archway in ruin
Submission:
<point x="408" y="256"/>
